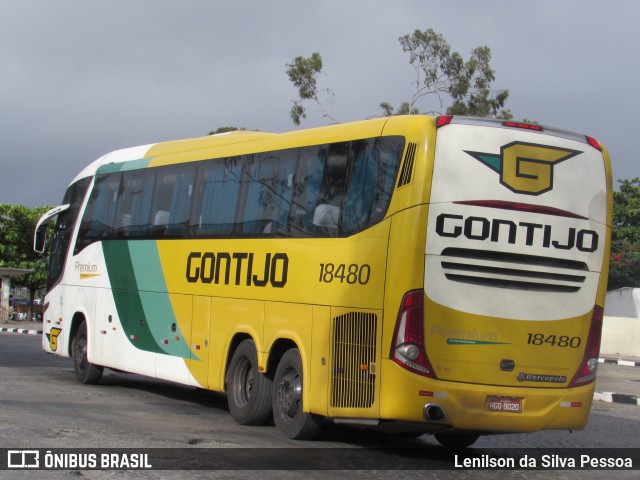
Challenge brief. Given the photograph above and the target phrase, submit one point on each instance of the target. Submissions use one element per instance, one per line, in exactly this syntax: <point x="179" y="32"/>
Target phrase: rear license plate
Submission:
<point x="504" y="404"/>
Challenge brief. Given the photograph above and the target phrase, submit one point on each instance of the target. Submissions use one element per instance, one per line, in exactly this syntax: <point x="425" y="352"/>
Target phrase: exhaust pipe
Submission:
<point x="434" y="412"/>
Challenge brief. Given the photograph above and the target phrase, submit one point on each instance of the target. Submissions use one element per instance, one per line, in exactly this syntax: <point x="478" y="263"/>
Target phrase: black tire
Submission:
<point x="287" y="400"/>
<point x="248" y="390"/>
<point x="456" y="439"/>
<point x="86" y="372"/>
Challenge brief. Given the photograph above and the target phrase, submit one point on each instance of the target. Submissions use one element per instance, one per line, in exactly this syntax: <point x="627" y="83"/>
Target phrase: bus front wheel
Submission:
<point x="86" y="372"/>
<point x="248" y="390"/>
<point x="288" y="415"/>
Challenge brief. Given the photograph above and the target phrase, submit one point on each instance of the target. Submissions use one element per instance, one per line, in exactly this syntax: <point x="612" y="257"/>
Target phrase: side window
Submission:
<point x="269" y="180"/>
<point x="343" y="188"/>
<point x="99" y="217"/>
<point x="172" y="202"/>
<point x="64" y="229"/>
<point x="361" y="189"/>
<point x="390" y="151"/>
<point x="374" y="166"/>
<point x="218" y="190"/>
<point x="132" y="217"/>
<point x="307" y="189"/>
<point x="320" y="190"/>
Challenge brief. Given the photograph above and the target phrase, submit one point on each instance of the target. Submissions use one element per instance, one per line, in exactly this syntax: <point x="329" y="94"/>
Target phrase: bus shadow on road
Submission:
<point x="174" y="391"/>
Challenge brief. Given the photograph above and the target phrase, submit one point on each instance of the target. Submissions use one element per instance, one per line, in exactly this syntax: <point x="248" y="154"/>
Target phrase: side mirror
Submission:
<point x="40" y="239"/>
<point x="40" y="234"/>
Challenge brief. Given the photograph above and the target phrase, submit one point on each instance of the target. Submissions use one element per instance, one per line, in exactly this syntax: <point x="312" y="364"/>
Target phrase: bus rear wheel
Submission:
<point x="287" y="400"/>
<point x="86" y="372"/>
<point x="248" y="390"/>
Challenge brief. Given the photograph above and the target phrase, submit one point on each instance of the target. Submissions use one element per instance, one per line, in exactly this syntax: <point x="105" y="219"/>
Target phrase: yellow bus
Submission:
<point x="414" y="274"/>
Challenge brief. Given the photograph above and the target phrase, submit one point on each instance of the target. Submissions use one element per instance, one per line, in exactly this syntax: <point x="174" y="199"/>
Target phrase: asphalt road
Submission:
<point x="42" y="406"/>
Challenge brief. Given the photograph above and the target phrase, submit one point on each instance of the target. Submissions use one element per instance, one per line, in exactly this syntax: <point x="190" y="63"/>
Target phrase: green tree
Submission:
<point x="404" y="109"/>
<point x="443" y="74"/>
<point x="303" y="73"/>
<point x="440" y="73"/>
<point x="17" y="225"/>
<point x="624" y="270"/>
<point x="225" y="130"/>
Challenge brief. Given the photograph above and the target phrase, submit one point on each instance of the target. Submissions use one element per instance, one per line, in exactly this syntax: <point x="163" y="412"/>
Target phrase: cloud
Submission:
<point x="82" y="78"/>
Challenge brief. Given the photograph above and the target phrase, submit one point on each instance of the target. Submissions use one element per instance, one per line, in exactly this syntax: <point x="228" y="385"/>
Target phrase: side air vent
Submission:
<point x="512" y="270"/>
<point x="353" y="363"/>
<point x="407" y="166"/>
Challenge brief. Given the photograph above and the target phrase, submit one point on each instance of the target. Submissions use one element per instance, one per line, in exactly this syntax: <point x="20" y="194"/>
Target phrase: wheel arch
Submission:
<point x="236" y="340"/>
<point x="277" y="350"/>
<point x="76" y="321"/>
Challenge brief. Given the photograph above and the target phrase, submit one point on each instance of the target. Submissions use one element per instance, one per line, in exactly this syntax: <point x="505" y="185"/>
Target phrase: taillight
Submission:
<point x="443" y="120"/>
<point x="524" y="126"/>
<point x="587" y="372"/>
<point x="594" y="143"/>
<point x="407" y="345"/>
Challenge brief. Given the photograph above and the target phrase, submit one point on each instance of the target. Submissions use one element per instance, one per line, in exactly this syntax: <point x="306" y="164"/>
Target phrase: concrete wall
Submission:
<point x="621" y="328"/>
<point x="620" y="336"/>
<point x="623" y="302"/>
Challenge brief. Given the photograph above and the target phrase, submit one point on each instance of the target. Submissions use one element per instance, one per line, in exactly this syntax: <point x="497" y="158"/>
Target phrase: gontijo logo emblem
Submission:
<point x="52" y="336"/>
<point x="525" y="167"/>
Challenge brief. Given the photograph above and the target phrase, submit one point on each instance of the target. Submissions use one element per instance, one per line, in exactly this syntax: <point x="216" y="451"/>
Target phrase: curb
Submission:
<point x="625" y="363"/>
<point x="610" y="397"/>
<point x="27" y="331"/>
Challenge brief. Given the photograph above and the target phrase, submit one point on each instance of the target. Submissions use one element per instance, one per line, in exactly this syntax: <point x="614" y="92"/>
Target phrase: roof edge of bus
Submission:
<point x="245" y="136"/>
<point x="207" y="141"/>
<point x="217" y="140"/>
<point x="116" y="156"/>
<point x="502" y="123"/>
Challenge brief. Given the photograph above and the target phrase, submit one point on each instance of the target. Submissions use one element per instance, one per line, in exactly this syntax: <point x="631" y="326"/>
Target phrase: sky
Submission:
<point x="80" y="78"/>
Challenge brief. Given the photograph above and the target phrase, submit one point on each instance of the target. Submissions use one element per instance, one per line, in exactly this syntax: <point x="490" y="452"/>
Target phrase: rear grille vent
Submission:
<point x="512" y="270"/>
<point x="353" y="363"/>
<point x="407" y="166"/>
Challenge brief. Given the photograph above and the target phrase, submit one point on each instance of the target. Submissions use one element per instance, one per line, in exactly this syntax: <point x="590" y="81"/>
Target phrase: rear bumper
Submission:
<point x="404" y="397"/>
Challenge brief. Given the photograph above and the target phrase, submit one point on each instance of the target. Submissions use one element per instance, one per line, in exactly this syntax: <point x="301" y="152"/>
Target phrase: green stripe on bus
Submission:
<point x="123" y="166"/>
<point x="156" y="303"/>
<point x="127" y="297"/>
